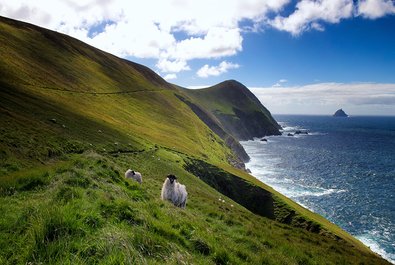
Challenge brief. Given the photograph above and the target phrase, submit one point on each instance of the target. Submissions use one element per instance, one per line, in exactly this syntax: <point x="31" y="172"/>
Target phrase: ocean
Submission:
<point x="343" y="169"/>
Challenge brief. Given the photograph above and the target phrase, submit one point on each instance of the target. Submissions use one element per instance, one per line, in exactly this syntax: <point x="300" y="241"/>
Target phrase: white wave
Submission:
<point x="270" y="175"/>
<point x="296" y="191"/>
<point x="317" y="133"/>
<point x="369" y="241"/>
<point x="317" y="193"/>
<point x="287" y="186"/>
<point x="292" y="128"/>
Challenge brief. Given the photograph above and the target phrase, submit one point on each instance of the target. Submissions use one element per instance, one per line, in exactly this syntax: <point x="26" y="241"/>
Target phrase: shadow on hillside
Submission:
<point x="252" y="197"/>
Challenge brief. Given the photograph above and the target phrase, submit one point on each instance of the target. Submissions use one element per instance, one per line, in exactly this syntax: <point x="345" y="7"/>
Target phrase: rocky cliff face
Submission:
<point x="234" y="113"/>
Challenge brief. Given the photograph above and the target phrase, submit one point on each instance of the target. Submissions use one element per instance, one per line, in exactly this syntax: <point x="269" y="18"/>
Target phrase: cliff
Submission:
<point x="237" y="109"/>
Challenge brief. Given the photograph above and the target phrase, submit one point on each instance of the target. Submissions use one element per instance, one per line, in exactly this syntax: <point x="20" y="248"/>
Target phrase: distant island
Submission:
<point x="340" y="113"/>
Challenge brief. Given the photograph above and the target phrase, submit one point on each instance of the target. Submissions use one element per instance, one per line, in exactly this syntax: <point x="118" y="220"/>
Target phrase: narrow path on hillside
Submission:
<point x="92" y="93"/>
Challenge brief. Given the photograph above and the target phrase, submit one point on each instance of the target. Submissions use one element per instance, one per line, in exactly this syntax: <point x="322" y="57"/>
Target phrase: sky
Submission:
<point x="298" y="57"/>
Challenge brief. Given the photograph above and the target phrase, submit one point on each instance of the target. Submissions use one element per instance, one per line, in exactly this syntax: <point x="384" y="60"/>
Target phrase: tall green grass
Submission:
<point x="88" y="213"/>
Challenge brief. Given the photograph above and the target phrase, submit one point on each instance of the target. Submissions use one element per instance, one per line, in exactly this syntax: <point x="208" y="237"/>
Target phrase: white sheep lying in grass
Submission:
<point x="131" y="174"/>
<point x="174" y="192"/>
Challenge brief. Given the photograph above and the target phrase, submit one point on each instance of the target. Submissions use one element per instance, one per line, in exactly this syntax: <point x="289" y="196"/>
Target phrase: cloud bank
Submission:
<point x="378" y="99"/>
<point x="175" y="32"/>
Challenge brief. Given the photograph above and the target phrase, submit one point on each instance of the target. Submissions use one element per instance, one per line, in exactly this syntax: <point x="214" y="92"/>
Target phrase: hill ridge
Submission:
<point x="237" y="109"/>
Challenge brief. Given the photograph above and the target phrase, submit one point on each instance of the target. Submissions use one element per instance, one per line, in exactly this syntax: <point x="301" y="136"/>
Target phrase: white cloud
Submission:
<point x="175" y="66"/>
<point x="323" y="98"/>
<point x="376" y="8"/>
<point x="223" y="67"/>
<point x="170" y="76"/>
<point x="172" y="31"/>
<point x="280" y="83"/>
<point x="308" y="13"/>
<point x="177" y="31"/>
<point x="218" y="42"/>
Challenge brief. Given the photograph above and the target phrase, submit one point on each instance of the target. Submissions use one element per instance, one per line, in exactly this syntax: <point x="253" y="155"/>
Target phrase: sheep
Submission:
<point x="130" y="174"/>
<point x="174" y="192"/>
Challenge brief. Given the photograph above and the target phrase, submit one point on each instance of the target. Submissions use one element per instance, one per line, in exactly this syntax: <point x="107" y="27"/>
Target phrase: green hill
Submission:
<point x="73" y="119"/>
<point x="237" y="109"/>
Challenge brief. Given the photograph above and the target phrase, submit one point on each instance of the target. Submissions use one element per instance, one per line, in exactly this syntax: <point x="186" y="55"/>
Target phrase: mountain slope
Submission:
<point x="73" y="119"/>
<point x="51" y="67"/>
<point x="237" y="109"/>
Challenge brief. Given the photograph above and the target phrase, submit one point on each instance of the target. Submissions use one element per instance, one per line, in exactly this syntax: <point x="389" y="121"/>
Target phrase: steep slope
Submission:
<point x="73" y="119"/>
<point x="237" y="109"/>
<point x="212" y="122"/>
<point x="44" y="66"/>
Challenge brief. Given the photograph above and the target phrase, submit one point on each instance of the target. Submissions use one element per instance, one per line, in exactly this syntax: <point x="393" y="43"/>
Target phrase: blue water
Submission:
<point x="344" y="169"/>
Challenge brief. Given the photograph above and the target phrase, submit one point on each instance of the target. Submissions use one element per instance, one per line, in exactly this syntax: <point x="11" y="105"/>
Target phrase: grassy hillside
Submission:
<point x="73" y="119"/>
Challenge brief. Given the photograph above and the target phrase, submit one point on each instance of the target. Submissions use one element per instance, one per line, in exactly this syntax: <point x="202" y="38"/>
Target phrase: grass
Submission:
<point x="88" y="213"/>
<point x="74" y="119"/>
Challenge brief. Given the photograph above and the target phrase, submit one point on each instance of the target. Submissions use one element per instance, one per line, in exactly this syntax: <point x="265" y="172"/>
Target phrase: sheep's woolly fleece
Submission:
<point x="174" y="192"/>
<point x="131" y="174"/>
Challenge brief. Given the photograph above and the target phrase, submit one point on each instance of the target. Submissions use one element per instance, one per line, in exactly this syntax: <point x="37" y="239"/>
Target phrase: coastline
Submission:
<point x="369" y="243"/>
<point x="258" y="173"/>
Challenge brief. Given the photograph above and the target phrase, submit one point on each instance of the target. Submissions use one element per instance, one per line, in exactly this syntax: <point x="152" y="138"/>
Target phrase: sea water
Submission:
<point x="343" y="169"/>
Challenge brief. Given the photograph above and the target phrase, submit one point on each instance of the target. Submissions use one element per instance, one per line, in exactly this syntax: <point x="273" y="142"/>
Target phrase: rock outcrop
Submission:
<point x="340" y="113"/>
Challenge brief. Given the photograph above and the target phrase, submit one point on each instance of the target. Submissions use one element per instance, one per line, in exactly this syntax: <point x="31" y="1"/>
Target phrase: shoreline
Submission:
<point x="369" y="243"/>
<point x="364" y="239"/>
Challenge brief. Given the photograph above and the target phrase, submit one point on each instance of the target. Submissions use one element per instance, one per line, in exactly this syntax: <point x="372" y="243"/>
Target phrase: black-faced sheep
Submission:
<point x="130" y="174"/>
<point x="174" y="192"/>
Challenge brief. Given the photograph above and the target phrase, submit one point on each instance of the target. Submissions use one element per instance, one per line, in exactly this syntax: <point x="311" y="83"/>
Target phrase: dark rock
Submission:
<point x="263" y="140"/>
<point x="301" y="132"/>
<point x="290" y="134"/>
<point x="340" y="113"/>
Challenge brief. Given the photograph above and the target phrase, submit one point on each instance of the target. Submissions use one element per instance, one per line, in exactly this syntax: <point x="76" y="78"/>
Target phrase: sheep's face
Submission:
<point x="133" y="173"/>
<point x="171" y="178"/>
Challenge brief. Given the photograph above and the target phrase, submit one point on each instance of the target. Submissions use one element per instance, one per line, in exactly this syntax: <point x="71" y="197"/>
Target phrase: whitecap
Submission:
<point x="317" y="133"/>
<point x="292" y="129"/>
<point x="317" y="192"/>
<point x="370" y="241"/>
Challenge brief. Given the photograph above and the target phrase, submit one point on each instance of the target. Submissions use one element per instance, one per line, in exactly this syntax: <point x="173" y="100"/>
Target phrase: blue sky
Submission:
<point x="303" y="57"/>
<point x="357" y="50"/>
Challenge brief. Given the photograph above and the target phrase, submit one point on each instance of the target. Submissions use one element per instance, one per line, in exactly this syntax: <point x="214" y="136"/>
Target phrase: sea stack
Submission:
<point x="340" y="113"/>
